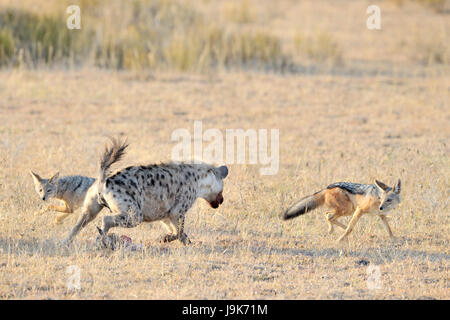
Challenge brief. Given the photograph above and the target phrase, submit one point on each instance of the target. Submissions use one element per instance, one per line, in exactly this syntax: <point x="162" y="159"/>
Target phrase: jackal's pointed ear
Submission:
<point x="382" y="185"/>
<point x="54" y="178"/>
<point x="223" y="171"/>
<point x="36" y="177"/>
<point x="398" y="186"/>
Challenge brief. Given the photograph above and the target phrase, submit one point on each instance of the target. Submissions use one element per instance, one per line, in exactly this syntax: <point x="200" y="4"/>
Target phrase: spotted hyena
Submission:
<point x="137" y="194"/>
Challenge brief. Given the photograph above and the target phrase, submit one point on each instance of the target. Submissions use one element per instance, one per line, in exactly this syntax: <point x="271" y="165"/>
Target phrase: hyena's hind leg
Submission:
<point x="90" y="210"/>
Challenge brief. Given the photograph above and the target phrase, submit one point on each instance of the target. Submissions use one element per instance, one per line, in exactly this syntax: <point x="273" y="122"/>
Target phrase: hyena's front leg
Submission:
<point x="171" y="231"/>
<point x="177" y="222"/>
<point x="129" y="218"/>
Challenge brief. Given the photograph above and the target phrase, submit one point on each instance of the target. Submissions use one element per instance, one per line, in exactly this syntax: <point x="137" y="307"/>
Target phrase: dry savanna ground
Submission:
<point x="381" y="115"/>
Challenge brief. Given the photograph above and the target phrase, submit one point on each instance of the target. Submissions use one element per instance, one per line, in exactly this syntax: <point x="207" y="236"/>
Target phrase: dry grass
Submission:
<point x="383" y="116"/>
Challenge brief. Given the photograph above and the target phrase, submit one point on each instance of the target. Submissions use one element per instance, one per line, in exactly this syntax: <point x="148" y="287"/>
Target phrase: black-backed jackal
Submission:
<point x="347" y="198"/>
<point x="70" y="190"/>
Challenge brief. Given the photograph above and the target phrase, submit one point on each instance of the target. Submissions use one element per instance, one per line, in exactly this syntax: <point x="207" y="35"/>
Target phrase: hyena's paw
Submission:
<point x="168" y="238"/>
<point x="65" y="243"/>
<point x="185" y="240"/>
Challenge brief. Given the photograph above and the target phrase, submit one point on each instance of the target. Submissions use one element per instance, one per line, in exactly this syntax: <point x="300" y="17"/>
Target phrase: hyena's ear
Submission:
<point x="36" y="178"/>
<point x="382" y="186"/>
<point x="223" y="171"/>
<point x="54" y="178"/>
<point x="398" y="187"/>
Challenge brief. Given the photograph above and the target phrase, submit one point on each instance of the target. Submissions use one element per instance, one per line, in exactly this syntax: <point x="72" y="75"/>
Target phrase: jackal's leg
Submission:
<point x="329" y="215"/>
<point x="65" y="212"/>
<point x="130" y="218"/>
<point x="332" y="219"/>
<point x="65" y="208"/>
<point x="356" y="215"/>
<point x="386" y="224"/>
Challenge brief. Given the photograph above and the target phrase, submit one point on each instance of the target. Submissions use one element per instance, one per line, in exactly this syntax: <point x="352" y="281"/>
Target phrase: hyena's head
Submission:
<point x="390" y="197"/>
<point x="211" y="185"/>
<point x="45" y="188"/>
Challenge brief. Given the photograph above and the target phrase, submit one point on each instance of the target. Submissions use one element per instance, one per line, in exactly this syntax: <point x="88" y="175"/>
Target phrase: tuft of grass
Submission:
<point x="7" y="47"/>
<point x="320" y="47"/>
<point x="239" y="12"/>
<point x="432" y="50"/>
<point x="435" y="5"/>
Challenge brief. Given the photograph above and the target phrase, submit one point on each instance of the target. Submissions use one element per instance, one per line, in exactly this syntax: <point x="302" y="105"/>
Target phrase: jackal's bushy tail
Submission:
<point x="305" y="205"/>
<point x="111" y="155"/>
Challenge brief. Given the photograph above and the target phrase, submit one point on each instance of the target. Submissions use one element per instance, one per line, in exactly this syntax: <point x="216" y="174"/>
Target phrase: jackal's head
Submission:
<point x="211" y="185"/>
<point x="45" y="188"/>
<point x="390" y="197"/>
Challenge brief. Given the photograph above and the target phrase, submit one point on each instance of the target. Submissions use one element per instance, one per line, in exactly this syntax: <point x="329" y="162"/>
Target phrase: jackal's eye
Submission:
<point x="40" y="190"/>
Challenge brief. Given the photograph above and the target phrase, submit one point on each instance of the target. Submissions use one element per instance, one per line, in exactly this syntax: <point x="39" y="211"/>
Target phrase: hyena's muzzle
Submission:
<point x="217" y="201"/>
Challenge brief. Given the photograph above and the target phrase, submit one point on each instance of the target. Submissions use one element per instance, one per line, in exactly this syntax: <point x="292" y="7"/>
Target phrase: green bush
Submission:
<point x="143" y="34"/>
<point x="7" y="47"/>
<point x="41" y="38"/>
<point x="320" y="47"/>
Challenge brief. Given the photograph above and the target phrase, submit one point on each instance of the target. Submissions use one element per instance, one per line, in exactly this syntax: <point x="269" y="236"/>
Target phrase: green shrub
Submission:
<point x="43" y="39"/>
<point x="7" y="47"/>
<point x="320" y="47"/>
<point x="140" y="34"/>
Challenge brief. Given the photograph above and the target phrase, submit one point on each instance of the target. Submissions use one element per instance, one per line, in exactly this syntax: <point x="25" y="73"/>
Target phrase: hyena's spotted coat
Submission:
<point x="139" y="194"/>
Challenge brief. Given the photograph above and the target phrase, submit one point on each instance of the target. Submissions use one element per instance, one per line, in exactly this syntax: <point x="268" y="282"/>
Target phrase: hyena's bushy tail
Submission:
<point x="111" y="155"/>
<point x="305" y="205"/>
